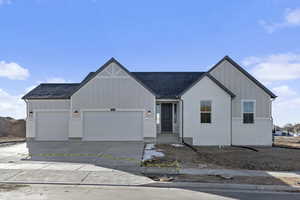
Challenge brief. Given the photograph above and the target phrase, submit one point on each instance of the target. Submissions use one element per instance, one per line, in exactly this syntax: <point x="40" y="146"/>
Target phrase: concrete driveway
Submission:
<point x="106" y="154"/>
<point x="116" y="164"/>
<point x="13" y="152"/>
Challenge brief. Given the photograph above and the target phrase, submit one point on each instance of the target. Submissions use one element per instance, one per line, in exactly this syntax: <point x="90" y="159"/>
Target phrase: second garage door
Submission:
<point x="113" y="126"/>
<point x="52" y="126"/>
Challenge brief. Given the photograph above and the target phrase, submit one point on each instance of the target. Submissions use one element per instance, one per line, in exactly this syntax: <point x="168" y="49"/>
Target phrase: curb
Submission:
<point x="281" y="188"/>
<point x="194" y="171"/>
<point x="273" y="188"/>
<point x="12" y="142"/>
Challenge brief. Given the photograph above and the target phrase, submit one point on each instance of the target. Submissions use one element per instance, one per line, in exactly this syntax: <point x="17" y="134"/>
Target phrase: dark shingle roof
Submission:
<point x="167" y="84"/>
<point x="163" y="84"/>
<point x="52" y="91"/>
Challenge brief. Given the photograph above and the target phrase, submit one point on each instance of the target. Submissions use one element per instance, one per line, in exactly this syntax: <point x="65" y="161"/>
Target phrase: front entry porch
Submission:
<point x="168" y="138"/>
<point x="168" y="121"/>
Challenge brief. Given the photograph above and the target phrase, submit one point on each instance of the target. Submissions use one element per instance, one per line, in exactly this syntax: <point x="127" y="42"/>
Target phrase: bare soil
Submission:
<point x="267" y="158"/>
<point x="285" y="141"/>
<point x="234" y="180"/>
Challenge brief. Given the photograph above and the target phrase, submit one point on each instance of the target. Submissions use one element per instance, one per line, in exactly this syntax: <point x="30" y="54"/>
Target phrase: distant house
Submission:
<point x="223" y="106"/>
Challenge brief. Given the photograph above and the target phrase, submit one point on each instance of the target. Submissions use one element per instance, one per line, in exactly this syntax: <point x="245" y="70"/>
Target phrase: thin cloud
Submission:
<point x="284" y="91"/>
<point x="276" y="67"/>
<point x="5" y="2"/>
<point x="291" y="19"/>
<point x="56" y="80"/>
<point x="11" y="105"/>
<point x="13" y="71"/>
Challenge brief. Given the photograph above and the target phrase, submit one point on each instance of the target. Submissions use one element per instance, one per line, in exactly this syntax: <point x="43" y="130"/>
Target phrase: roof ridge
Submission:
<point x="173" y="72"/>
<point x="59" y="83"/>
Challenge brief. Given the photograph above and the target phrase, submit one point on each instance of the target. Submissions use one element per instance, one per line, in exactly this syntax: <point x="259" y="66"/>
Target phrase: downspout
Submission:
<point x="273" y="126"/>
<point x="231" y="122"/>
<point x="182" y="136"/>
<point x="26" y="119"/>
<point x="182" y="128"/>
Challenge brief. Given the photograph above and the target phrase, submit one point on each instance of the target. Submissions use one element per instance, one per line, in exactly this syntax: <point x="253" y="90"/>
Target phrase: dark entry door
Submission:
<point x="166" y="117"/>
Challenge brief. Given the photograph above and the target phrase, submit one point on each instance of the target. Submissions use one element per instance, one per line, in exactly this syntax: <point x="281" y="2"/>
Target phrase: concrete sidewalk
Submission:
<point x="60" y="166"/>
<point x="89" y="174"/>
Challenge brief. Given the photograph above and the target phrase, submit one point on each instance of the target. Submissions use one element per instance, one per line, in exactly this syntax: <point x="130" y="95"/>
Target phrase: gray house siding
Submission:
<point x="114" y="88"/>
<point x="48" y="104"/>
<point x="259" y="133"/>
<point x="113" y="104"/>
<point x="218" y="131"/>
<point x="44" y="107"/>
<point x="243" y="88"/>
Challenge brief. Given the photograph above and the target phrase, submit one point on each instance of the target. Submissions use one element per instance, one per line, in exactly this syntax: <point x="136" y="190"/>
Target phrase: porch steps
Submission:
<point x="167" y="138"/>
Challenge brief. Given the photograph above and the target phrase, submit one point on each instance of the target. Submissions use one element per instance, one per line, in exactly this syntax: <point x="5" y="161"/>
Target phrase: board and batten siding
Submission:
<point x="36" y="106"/>
<point x="218" y="131"/>
<point x="243" y="88"/>
<point x="113" y="88"/>
<point x="259" y="133"/>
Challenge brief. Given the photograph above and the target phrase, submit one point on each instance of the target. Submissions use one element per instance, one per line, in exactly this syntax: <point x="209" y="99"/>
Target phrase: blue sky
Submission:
<point x="63" y="40"/>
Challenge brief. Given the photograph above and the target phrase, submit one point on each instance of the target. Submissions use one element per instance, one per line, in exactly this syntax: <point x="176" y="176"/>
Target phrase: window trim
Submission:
<point x="254" y="110"/>
<point x="211" y="111"/>
<point x="158" y="114"/>
<point x="175" y="112"/>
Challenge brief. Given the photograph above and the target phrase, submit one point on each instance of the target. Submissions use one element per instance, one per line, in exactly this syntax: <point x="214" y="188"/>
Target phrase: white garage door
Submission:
<point x="52" y="125"/>
<point x="113" y="126"/>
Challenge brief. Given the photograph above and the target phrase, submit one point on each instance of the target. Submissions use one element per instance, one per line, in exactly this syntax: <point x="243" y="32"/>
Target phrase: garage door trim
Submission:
<point x="108" y="111"/>
<point x="35" y="125"/>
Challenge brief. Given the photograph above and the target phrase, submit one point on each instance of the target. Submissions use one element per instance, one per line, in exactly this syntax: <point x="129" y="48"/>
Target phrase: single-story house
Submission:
<point x="223" y="106"/>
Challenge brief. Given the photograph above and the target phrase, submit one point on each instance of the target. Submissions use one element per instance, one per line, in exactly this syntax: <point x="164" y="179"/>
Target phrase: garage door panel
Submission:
<point x="112" y="126"/>
<point x="52" y="126"/>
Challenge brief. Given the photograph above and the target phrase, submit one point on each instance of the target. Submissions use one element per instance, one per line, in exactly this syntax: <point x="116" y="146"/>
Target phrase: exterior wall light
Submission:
<point x="30" y="115"/>
<point x="76" y="114"/>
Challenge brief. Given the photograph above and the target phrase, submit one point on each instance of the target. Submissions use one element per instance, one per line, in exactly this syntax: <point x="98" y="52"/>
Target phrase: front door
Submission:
<point x="166" y="117"/>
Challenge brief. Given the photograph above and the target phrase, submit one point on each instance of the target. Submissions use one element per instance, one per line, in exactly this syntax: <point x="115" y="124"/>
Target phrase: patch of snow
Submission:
<point x="177" y="145"/>
<point x="150" y="154"/>
<point x="149" y="146"/>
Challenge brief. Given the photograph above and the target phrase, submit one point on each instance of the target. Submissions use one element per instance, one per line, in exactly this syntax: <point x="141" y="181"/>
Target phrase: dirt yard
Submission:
<point x="267" y="158"/>
<point x="234" y="180"/>
<point x="285" y="141"/>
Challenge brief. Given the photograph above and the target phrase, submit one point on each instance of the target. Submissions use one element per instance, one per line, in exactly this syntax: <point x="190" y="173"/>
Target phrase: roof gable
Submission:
<point x="247" y="74"/>
<point x="92" y="75"/>
<point x="212" y="79"/>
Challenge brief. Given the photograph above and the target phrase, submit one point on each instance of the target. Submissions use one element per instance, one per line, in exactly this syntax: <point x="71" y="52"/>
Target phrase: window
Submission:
<point x="248" y="111"/>
<point x="205" y="112"/>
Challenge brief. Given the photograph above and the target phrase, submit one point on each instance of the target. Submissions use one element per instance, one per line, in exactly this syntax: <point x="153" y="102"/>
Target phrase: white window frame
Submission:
<point x="175" y="114"/>
<point x="254" y="110"/>
<point x="211" y="111"/>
